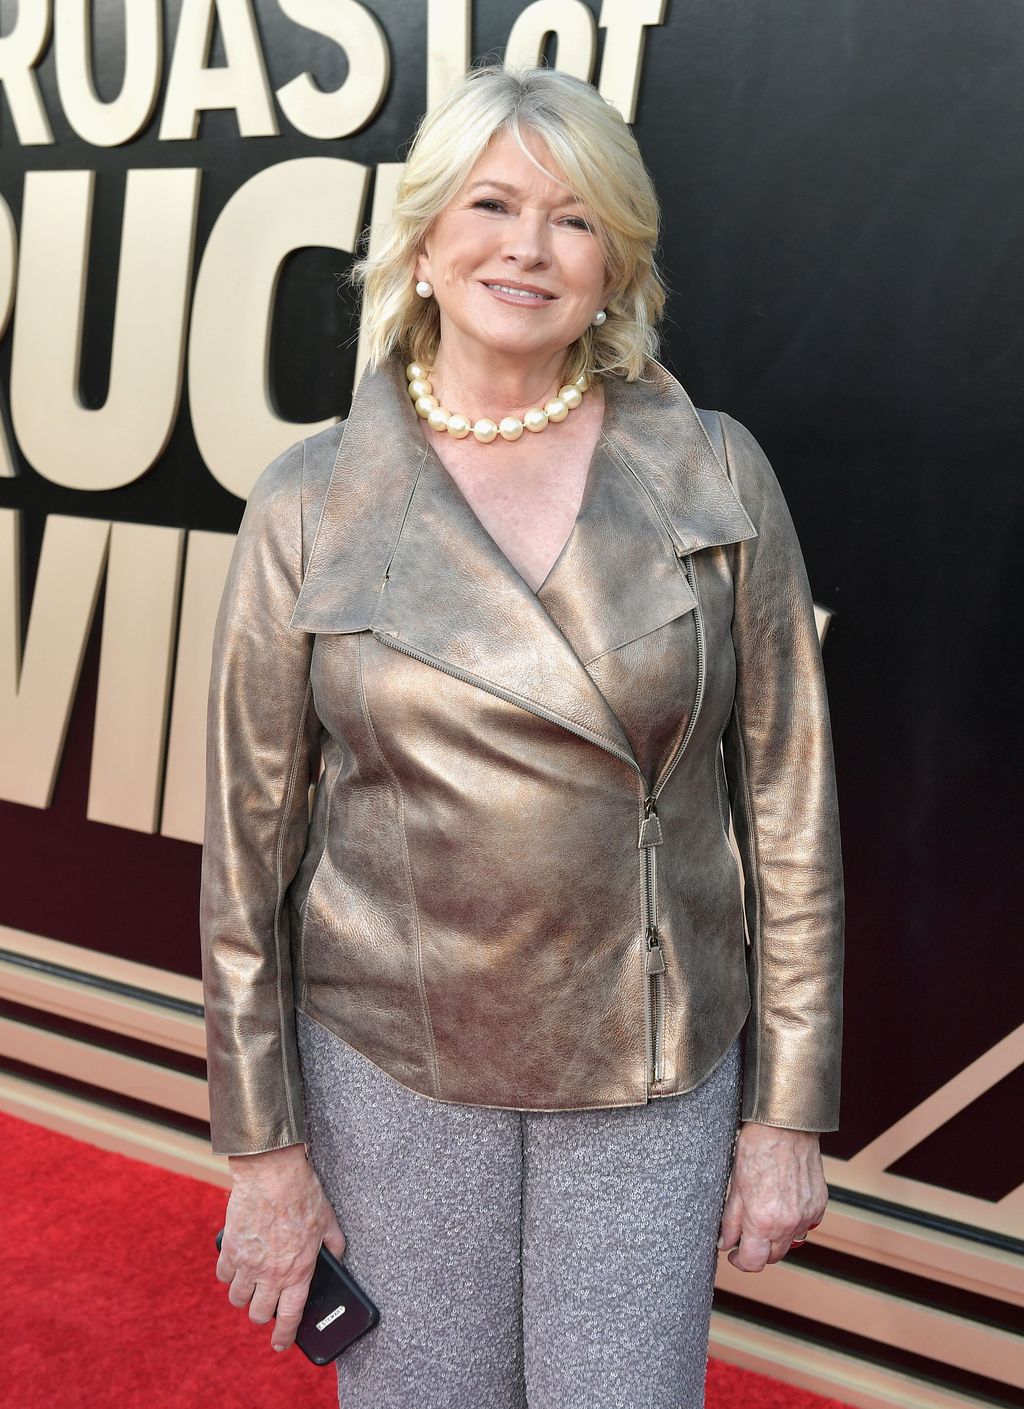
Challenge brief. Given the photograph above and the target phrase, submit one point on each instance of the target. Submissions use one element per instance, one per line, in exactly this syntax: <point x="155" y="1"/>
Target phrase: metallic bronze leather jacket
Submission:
<point x="506" y="892"/>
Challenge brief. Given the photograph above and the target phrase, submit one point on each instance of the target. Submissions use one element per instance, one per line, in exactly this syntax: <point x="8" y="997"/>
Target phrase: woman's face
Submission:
<point x="511" y="224"/>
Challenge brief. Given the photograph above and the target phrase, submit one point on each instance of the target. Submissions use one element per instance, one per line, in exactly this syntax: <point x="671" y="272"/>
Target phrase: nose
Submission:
<point x="527" y="240"/>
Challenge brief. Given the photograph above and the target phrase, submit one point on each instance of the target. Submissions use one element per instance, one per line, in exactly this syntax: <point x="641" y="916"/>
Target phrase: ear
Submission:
<point x="421" y="269"/>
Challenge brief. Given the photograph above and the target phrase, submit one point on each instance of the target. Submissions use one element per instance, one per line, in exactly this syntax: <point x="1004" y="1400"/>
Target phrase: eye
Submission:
<point x="487" y="201"/>
<point x="578" y="222"/>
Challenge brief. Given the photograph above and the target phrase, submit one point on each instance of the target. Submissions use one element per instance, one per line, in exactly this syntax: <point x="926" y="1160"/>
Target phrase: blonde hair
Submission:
<point x="602" y="164"/>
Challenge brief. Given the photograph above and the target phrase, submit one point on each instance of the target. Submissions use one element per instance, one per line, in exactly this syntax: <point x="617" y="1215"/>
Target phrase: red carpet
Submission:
<point x="108" y="1295"/>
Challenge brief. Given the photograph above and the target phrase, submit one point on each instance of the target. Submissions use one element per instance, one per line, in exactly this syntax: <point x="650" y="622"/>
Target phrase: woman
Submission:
<point x="548" y="625"/>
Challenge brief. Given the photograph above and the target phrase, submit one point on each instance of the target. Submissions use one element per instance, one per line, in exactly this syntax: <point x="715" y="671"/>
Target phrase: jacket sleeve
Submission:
<point x="262" y="752"/>
<point x="781" y="775"/>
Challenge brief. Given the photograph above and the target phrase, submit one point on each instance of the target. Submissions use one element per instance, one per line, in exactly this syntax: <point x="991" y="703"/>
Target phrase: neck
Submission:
<point x="498" y="385"/>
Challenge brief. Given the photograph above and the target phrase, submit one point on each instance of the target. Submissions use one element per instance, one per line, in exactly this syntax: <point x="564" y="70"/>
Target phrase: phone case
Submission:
<point x="337" y="1310"/>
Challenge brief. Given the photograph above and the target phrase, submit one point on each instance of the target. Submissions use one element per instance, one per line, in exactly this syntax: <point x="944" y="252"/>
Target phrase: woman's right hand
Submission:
<point x="277" y="1217"/>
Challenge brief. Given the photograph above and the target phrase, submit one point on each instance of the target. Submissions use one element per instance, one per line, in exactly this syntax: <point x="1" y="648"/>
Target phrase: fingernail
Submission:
<point x="721" y="1242"/>
<point x="279" y="1347"/>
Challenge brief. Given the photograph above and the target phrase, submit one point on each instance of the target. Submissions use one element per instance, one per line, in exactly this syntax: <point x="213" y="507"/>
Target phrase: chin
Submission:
<point x="504" y="340"/>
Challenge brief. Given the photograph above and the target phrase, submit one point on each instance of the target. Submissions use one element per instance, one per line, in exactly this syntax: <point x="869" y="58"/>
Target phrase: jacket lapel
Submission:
<point x="617" y="577"/>
<point x="452" y="595"/>
<point x="398" y="550"/>
<point x="658" y="437"/>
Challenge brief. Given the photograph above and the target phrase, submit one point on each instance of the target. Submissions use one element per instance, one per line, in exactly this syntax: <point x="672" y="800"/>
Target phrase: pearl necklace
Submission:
<point x="439" y="418"/>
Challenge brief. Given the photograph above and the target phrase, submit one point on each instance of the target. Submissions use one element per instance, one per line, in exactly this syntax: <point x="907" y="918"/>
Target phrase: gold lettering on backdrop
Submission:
<point x="109" y="124"/>
<point x="8" y="264"/>
<point x="141" y="619"/>
<point x="449" y="46"/>
<point x="573" y="27"/>
<point x="37" y="688"/>
<point x="20" y="51"/>
<point x="139" y="608"/>
<point x="63" y="440"/>
<point x="240" y="84"/>
<point x="310" y="201"/>
<point x="349" y="108"/>
<point x="206" y="566"/>
<point x="625" y="23"/>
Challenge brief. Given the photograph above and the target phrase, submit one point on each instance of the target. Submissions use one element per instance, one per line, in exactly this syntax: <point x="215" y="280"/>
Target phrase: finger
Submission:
<point x="732" y="1222"/>
<point x="729" y="1235"/>
<point x="752" y="1253"/>
<point x="335" y="1239"/>
<point x="801" y="1233"/>
<point x="241" y="1290"/>
<point x="264" y="1303"/>
<point x="780" y="1246"/>
<point x="290" y="1307"/>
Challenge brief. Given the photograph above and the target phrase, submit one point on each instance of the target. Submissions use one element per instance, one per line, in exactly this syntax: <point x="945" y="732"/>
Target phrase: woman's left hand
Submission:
<point x="777" y="1192"/>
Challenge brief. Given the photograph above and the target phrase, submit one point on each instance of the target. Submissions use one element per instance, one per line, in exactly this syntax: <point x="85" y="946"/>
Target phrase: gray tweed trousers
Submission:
<point x="522" y="1259"/>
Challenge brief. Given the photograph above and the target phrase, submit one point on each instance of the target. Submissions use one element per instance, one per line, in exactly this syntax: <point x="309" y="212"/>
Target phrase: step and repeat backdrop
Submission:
<point x="183" y="185"/>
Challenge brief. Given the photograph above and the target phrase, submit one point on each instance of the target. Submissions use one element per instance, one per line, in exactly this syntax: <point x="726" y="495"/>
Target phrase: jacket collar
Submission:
<point x="399" y="550"/>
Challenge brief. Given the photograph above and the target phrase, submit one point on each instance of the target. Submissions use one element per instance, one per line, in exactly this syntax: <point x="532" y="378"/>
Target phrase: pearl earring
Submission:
<point x="599" y="317"/>
<point x="424" y="289"/>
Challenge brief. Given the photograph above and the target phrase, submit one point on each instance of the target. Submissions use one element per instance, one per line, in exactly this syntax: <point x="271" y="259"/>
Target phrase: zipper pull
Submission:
<point x="655" y="956"/>
<point x="650" y="827"/>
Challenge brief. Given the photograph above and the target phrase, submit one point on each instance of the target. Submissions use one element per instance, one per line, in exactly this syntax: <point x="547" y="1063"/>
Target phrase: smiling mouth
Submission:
<point x="523" y="295"/>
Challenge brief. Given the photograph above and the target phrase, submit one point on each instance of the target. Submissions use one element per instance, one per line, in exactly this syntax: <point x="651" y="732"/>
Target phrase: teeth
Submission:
<point x="519" y="293"/>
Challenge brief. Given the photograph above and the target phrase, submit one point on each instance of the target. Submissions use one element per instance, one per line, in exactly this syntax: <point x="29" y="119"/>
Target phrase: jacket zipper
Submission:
<point x="651" y="836"/>
<point x="655" y="957"/>
<point x="650" y="826"/>
<point x="389" y="640"/>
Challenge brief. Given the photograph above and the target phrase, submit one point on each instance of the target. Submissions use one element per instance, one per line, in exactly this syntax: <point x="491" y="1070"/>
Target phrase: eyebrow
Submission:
<point x="514" y="190"/>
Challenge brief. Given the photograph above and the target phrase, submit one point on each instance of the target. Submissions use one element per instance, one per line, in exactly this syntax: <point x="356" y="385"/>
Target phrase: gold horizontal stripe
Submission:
<point x="824" y="1371"/>
<point x="888" y="1319"/>
<point x="112" y="1071"/>
<point x="107" y="966"/>
<point x="119" y="1131"/>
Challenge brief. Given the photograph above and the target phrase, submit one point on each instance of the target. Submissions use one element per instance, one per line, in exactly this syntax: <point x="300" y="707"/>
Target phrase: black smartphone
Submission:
<point x="337" y="1310"/>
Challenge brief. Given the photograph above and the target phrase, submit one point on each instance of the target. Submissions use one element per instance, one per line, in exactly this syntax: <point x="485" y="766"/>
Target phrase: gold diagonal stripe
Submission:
<point x="942" y="1105"/>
